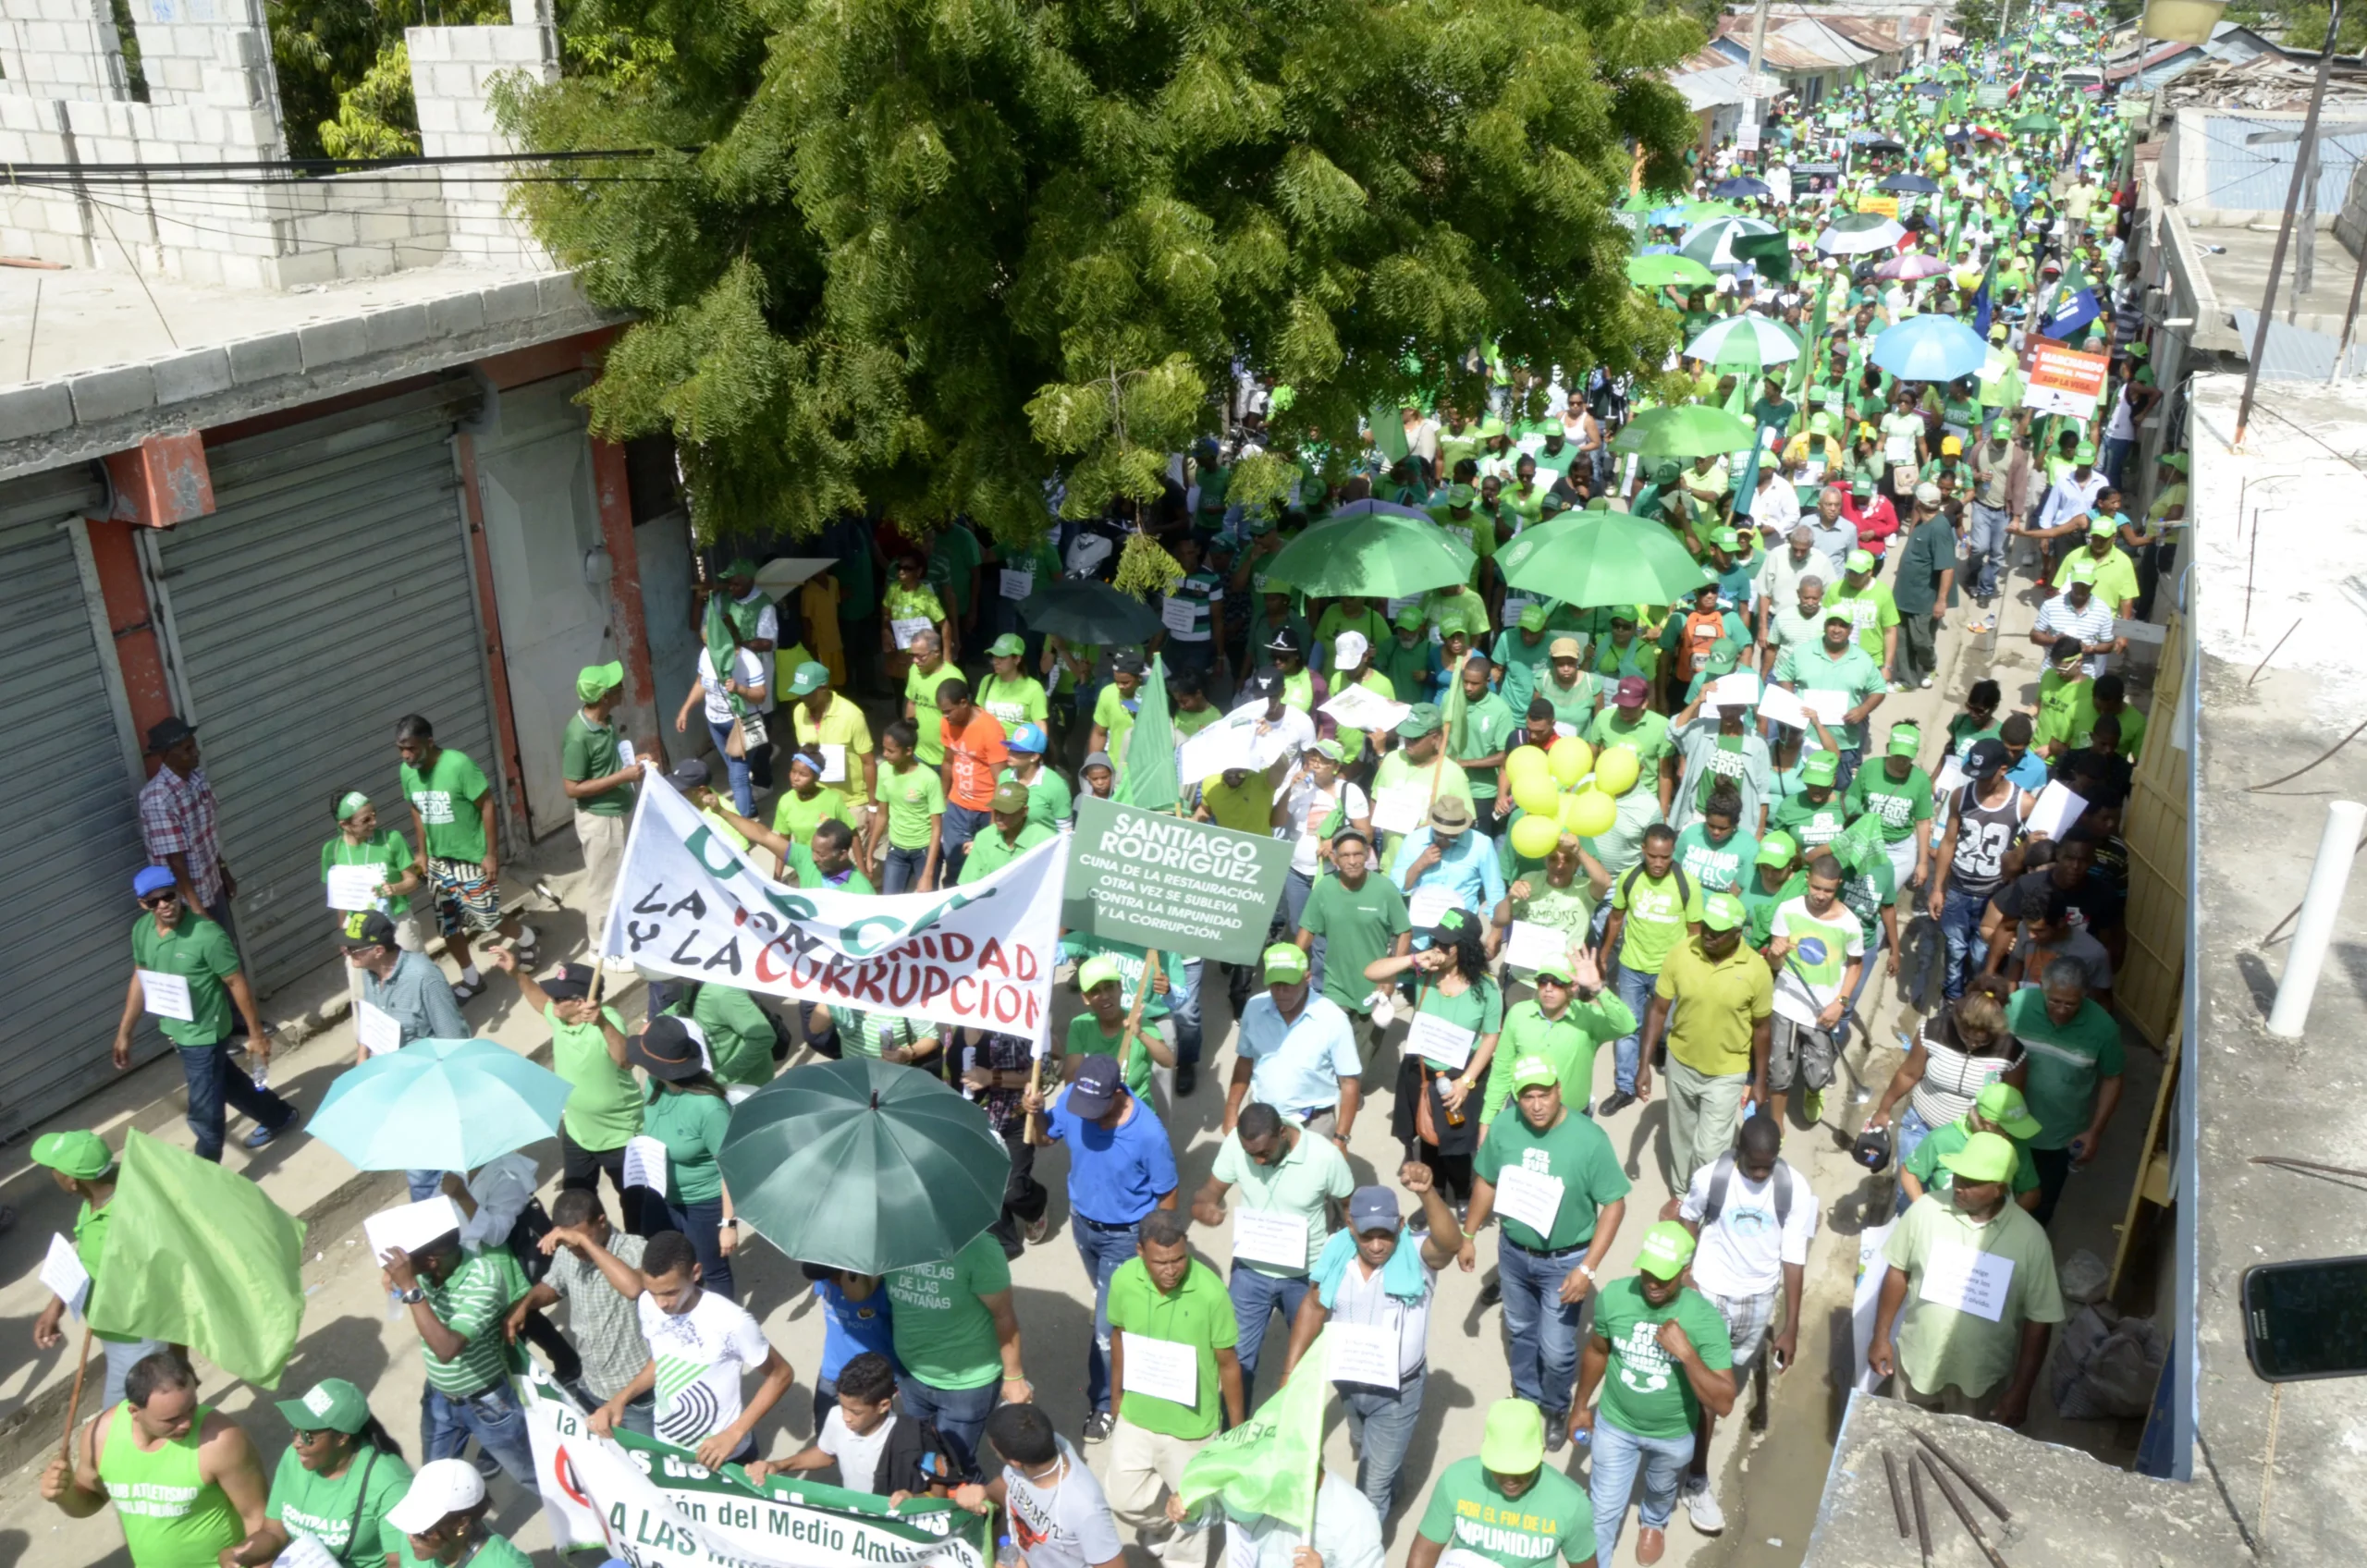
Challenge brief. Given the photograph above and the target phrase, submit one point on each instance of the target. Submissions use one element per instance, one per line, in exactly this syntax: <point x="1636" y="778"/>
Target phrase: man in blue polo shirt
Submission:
<point x="1296" y="1052"/>
<point x="1120" y="1168"/>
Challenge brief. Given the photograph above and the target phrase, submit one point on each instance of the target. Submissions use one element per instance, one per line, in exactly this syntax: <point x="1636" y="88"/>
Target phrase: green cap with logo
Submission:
<point x="1668" y="1247"/>
<point x="1819" y="768"/>
<point x="1286" y="965"/>
<point x="1422" y="720"/>
<point x="1532" y="1070"/>
<point x="1903" y="739"/>
<point x="597" y="681"/>
<point x="808" y="678"/>
<point x="1532" y="618"/>
<point x="1985" y="1157"/>
<point x="83" y="1156"/>
<point x="1777" y="849"/>
<point x="1722" y="912"/>
<point x="1007" y="646"/>
<point x="333" y="1405"/>
<point x="2002" y="1106"/>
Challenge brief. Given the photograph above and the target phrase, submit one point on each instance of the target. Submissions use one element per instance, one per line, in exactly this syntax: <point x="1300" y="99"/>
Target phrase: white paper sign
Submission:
<point x="1179" y="614"/>
<point x="645" y="1164"/>
<point x="1429" y="904"/>
<point x="1017" y="584"/>
<point x="1269" y="1236"/>
<point x="1967" y="1279"/>
<point x="1530" y="944"/>
<point x="906" y="630"/>
<point x="1218" y="749"/>
<point x="834" y="763"/>
<point x="1444" y="1044"/>
<point x="63" y="1272"/>
<point x="1530" y="1196"/>
<point x="1163" y="1369"/>
<point x="1826" y="703"/>
<point x="1361" y="707"/>
<point x="167" y="996"/>
<point x="1401" y="808"/>
<point x="1739" y="690"/>
<point x="624" y="755"/>
<point x="376" y="1029"/>
<point x="411" y="1225"/>
<point x="2057" y="808"/>
<point x="355" y="886"/>
<point x="305" y="1552"/>
<point x="1361" y="1354"/>
<point x="1778" y="706"/>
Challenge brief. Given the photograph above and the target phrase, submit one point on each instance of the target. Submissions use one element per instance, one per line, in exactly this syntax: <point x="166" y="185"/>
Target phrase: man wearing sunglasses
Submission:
<point x="186" y="973"/>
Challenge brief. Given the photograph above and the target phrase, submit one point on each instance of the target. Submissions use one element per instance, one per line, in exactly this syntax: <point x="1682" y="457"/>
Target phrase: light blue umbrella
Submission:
<point x="1930" y="349"/>
<point x="439" y="1105"/>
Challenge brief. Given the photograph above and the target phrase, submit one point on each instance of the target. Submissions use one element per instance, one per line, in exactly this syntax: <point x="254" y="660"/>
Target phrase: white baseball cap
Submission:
<point x="441" y="1487"/>
<point x="1349" y="650"/>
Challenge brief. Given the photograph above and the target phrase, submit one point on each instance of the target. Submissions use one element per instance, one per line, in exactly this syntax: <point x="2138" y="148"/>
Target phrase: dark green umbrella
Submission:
<point x="1590" y="560"/>
<point x="1088" y="614"/>
<point x="1372" y="549"/>
<point x="863" y="1164"/>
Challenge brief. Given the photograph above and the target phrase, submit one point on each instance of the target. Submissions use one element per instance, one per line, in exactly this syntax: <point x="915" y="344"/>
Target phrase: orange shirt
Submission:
<point x="974" y="754"/>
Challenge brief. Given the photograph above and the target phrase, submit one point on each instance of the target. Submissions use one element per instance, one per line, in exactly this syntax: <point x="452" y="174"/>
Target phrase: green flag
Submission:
<point x="1268" y="1463"/>
<point x="1147" y="773"/>
<point x="197" y="1255"/>
<point x="1810" y="362"/>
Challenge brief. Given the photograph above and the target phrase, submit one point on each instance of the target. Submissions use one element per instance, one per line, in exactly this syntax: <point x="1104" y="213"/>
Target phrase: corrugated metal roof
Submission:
<point x="1710" y="89"/>
<point x="2166" y="53"/>
<point x="2243" y="176"/>
<point x="2295" y="354"/>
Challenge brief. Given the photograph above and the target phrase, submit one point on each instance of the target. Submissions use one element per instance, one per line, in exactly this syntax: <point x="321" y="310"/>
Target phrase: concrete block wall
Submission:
<point x="452" y="72"/>
<point x="61" y="49"/>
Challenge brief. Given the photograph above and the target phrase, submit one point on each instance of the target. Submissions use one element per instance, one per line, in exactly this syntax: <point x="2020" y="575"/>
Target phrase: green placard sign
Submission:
<point x="1171" y="883"/>
<point x="1989" y="97"/>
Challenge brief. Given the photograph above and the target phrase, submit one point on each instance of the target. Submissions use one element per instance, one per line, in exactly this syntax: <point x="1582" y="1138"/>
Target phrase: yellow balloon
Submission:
<point x="1536" y="796"/>
<point x="1527" y="762"/>
<point x="1616" y="770"/>
<point x="1589" y="812"/>
<point x="1569" y="758"/>
<point x="1534" y="837"/>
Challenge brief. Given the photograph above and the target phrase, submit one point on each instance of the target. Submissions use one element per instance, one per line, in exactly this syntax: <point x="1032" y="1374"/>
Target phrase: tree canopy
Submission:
<point x="920" y="255"/>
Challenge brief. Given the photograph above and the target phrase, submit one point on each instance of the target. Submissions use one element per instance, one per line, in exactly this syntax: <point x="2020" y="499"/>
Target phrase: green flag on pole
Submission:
<point x="1267" y="1464"/>
<point x="198" y="1255"/>
<point x="1147" y="774"/>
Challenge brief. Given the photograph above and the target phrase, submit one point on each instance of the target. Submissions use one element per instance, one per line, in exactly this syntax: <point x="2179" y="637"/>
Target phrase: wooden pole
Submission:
<point x="74" y="1401"/>
<point x="2301" y="161"/>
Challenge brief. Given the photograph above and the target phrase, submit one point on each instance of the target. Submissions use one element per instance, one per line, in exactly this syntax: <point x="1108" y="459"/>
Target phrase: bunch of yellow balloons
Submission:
<point x="1567" y="788"/>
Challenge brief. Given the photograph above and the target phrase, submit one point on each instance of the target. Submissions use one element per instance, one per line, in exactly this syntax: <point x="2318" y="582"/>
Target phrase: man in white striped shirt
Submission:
<point x="2077" y="612"/>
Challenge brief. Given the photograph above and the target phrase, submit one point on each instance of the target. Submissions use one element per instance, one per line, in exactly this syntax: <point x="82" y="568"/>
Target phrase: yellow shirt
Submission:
<point x="1249" y="809"/>
<point x="1714" y="1005"/>
<point x="842" y="725"/>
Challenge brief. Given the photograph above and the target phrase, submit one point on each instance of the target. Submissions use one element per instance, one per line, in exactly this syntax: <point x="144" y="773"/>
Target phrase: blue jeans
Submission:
<point x="1255" y="1299"/>
<point x="2116" y="455"/>
<point x="1544" y="1332"/>
<point x="1184" y="1009"/>
<point x="1103" y="1252"/>
<point x="425" y="1184"/>
<point x="958" y="1415"/>
<point x="213" y="1080"/>
<point x="1635" y="989"/>
<point x="1297" y="885"/>
<point x="703" y="1223"/>
<point x="902" y="873"/>
<point x="743" y="795"/>
<point x="1611" y="1477"/>
<point x="1906" y="1134"/>
<point x="122" y="1355"/>
<point x="1960" y="928"/>
<point x="1984" y="547"/>
<point x="1851" y="759"/>
<point x="493" y="1418"/>
<point x="962" y="825"/>
<point x="1380" y="1424"/>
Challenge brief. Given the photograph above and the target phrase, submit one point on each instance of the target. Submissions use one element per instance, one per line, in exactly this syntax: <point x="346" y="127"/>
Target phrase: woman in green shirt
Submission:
<point x="603" y="1110"/>
<point x="807" y="803"/>
<point x="1049" y="803"/>
<point x="359" y="840"/>
<point x="687" y="1113"/>
<point x="1458" y="1011"/>
<point x="340" y="1475"/>
<point x="1009" y="693"/>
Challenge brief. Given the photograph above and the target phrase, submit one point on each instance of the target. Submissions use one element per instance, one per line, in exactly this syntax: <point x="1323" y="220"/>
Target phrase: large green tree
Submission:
<point x="919" y="256"/>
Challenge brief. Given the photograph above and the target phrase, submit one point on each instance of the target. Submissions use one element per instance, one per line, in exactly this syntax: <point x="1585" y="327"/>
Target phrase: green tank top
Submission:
<point x="171" y="1519"/>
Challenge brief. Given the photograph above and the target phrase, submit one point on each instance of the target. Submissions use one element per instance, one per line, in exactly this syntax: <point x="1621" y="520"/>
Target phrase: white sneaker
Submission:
<point x="1701" y="1507"/>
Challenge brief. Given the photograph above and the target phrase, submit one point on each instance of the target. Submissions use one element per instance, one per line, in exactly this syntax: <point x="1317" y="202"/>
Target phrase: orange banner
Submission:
<point x="1885" y="205"/>
<point x="2062" y="380"/>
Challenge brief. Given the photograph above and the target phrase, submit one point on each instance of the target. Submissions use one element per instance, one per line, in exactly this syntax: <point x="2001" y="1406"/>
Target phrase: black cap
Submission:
<point x="1286" y="641"/>
<point x="1127" y="661"/>
<point x="365" y="928"/>
<point x="1097" y="1087"/>
<point x="568" y="982"/>
<point x="1984" y="757"/>
<point x="667" y="1050"/>
<point x="1265" y="683"/>
<point x="691" y="773"/>
<point x="167" y="733"/>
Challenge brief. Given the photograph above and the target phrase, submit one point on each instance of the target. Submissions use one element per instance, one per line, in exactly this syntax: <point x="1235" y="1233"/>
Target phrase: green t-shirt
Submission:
<point x="588" y="752"/>
<point x="1872" y="609"/>
<point x="603" y="1101"/>
<point x="739" y="1032"/>
<point x="1939" y="1346"/>
<point x="389" y="851"/>
<point x="989" y="851"/>
<point x="1716" y="868"/>
<point x="1573" y="1152"/>
<point x="1086" y="1037"/>
<point x="1050" y="801"/>
<point x="1568" y="1041"/>
<point x="913" y="795"/>
<point x="2065" y="1062"/>
<point x="344" y="1514"/>
<point x="1811" y="824"/>
<point x="945" y="1336"/>
<point x="1468" y="1511"/>
<point x="446" y="798"/>
<point x="1488" y="725"/>
<point x="1648" y="738"/>
<point x="1115" y="715"/>
<point x="1014" y="702"/>
<point x="2066" y="711"/>
<point x="199" y="952"/>
<point x="927" y="718"/>
<point x="471" y="1302"/>
<point x="1925" y="1166"/>
<point x="691" y="1126"/>
<point x="1357" y="927"/>
<point x="1898" y="803"/>
<point x="1198" y="1314"/>
<point x="1645" y="1392"/>
<point x="1658" y="911"/>
<point x="795" y="817"/>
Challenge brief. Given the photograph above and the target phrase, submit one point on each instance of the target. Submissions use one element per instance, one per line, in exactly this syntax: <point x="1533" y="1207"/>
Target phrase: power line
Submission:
<point x="322" y="167"/>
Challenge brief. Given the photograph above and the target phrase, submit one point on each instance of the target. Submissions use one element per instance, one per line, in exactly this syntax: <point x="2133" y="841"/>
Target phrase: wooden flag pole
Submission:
<point x="74" y="1401"/>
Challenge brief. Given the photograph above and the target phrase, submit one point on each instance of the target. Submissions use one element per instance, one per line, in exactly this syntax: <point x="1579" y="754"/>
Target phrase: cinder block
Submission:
<point x="456" y="315"/>
<point x="383" y="227"/>
<point x="112" y="392"/>
<point x="299" y="268"/>
<point x="428" y="44"/>
<point x="196" y="373"/>
<point x="332" y="342"/>
<point x="200" y="266"/>
<point x="511" y="301"/>
<point x="559" y="293"/>
<point x="34" y="409"/>
<point x="265" y="357"/>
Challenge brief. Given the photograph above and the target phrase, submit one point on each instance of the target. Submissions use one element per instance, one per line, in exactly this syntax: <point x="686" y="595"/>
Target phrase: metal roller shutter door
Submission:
<point x="330" y="593"/>
<point x="72" y="839"/>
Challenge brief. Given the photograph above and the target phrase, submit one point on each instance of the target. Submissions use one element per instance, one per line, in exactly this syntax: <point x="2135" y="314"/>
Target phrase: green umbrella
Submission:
<point x="444" y="1104"/>
<point x="1660" y="272"/>
<point x="1088" y="614"/>
<point x="1698" y="212"/>
<point x="1691" y="431"/>
<point x="863" y="1164"/>
<point x="1589" y="559"/>
<point x="2036" y="125"/>
<point x="1374" y="550"/>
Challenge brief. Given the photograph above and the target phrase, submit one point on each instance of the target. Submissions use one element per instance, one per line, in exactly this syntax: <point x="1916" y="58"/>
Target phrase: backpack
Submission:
<point x="1684" y="884"/>
<point x="1722" y="1172"/>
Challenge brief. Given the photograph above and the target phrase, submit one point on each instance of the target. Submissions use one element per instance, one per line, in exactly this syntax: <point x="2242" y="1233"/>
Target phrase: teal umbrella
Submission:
<point x="1590" y="560"/>
<point x="439" y="1105"/>
<point x="1688" y="430"/>
<point x="1374" y="550"/>
<point x="863" y="1164"/>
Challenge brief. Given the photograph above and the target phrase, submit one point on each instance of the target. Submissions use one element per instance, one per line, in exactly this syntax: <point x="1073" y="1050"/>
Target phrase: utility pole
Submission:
<point x="2305" y="232"/>
<point x="1755" y="99"/>
<point x="2285" y="231"/>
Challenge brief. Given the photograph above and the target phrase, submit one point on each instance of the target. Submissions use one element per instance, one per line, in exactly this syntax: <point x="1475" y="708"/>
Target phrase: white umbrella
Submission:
<point x="1853" y="237"/>
<point x="1711" y="243"/>
<point x="1774" y="341"/>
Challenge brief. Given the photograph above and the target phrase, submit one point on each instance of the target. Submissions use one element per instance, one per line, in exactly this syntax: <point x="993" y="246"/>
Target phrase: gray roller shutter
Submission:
<point x="72" y="839"/>
<point x="330" y="593"/>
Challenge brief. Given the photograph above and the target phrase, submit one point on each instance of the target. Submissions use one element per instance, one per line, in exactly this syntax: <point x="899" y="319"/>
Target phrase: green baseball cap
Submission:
<point x="2084" y="453"/>
<point x="596" y="681"/>
<point x="1099" y="969"/>
<point x="1422" y="720"/>
<point x="1668" y="1247"/>
<point x="1010" y="795"/>
<point x="1286" y="965"/>
<point x="1560" y="969"/>
<point x="1984" y="1157"/>
<point x="1726" y="539"/>
<point x="1531" y="1071"/>
<point x="1861" y="486"/>
<point x="1665" y="472"/>
<point x="808" y="678"/>
<point x="1778" y="848"/>
<point x="1532" y="618"/>
<point x="1513" y="1442"/>
<point x="1860" y="560"/>
<point x="2102" y="525"/>
<point x="1460" y="496"/>
<point x="2175" y="460"/>
<point x="83" y="1155"/>
<point x="1903" y="739"/>
<point x="2001" y="1105"/>
<point x="1722" y="912"/>
<point x="333" y="1405"/>
<point x="1819" y="768"/>
<point x="1331" y="749"/>
<point x="1821" y="424"/>
<point x="741" y="566"/>
<point x="1410" y="618"/>
<point x="1008" y="647"/>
